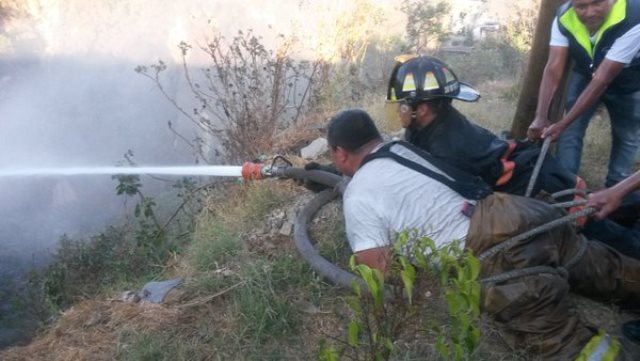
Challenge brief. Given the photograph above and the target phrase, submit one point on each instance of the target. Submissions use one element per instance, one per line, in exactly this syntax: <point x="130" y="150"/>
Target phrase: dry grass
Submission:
<point x="89" y="330"/>
<point x="597" y="145"/>
<point x="496" y="108"/>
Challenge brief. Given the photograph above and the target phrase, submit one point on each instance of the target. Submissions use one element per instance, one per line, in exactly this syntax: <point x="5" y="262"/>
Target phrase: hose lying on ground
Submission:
<point x="344" y="278"/>
<point x="301" y="237"/>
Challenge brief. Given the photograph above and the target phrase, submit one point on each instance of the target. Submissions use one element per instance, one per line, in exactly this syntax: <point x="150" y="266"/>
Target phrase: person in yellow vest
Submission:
<point x="602" y="38"/>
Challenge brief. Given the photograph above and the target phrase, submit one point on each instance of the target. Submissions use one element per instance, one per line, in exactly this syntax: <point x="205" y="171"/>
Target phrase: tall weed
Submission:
<point x="245" y="96"/>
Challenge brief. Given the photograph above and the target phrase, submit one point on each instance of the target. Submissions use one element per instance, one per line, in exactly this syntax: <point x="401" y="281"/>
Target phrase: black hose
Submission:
<point x="319" y="176"/>
<point x="344" y="278"/>
<point x="301" y="237"/>
<point x="538" y="166"/>
<point x="508" y="243"/>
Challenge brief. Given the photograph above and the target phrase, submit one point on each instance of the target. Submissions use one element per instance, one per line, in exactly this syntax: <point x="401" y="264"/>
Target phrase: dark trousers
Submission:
<point x="533" y="311"/>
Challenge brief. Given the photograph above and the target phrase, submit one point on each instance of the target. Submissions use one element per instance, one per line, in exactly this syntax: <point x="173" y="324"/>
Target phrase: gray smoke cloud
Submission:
<point x="65" y="112"/>
<point x="69" y="97"/>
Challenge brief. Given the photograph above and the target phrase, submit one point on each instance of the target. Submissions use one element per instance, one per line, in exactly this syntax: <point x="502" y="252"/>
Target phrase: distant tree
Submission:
<point x="8" y="12"/>
<point x="521" y="26"/>
<point x="426" y="22"/>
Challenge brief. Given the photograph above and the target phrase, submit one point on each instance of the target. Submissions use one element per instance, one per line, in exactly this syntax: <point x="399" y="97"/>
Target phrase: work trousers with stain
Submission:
<point x="533" y="311"/>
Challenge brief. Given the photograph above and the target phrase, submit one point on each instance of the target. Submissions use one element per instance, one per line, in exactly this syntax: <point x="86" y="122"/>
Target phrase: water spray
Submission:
<point x="248" y="171"/>
<point x="221" y="171"/>
<point x="279" y="167"/>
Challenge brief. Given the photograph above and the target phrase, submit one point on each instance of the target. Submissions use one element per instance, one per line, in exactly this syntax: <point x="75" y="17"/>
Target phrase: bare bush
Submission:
<point x="246" y="96"/>
<point x="256" y="100"/>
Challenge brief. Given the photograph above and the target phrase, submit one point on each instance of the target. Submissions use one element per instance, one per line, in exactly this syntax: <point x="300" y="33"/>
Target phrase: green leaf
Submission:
<point x="421" y="259"/>
<point x="408" y="275"/>
<point x="327" y="353"/>
<point x="352" y="262"/>
<point x="465" y="321"/>
<point x="475" y="266"/>
<point x="401" y="241"/>
<point x="388" y="344"/>
<point x="353" y="331"/>
<point x="475" y="299"/>
<point x="459" y="353"/>
<point x="354" y="303"/>
<point x="464" y="301"/>
<point x="475" y="337"/>
<point x="452" y="302"/>
<point x="442" y="348"/>
<point x="377" y="291"/>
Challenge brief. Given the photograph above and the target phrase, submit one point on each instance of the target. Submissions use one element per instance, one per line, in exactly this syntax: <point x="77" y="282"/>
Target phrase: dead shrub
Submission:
<point x="246" y="97"/>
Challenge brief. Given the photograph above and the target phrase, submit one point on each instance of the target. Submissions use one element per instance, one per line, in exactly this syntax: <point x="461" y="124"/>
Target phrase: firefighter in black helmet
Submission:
<point x="421" y="88"/>
<point x="419" y="97"/>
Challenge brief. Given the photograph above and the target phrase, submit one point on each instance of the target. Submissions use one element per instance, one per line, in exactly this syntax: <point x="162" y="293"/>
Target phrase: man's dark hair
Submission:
<point x="351" y="129"/>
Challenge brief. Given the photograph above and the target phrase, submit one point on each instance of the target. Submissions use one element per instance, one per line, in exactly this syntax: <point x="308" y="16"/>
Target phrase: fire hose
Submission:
<point x="301" y="237"/>
<point x="344" y="278"/>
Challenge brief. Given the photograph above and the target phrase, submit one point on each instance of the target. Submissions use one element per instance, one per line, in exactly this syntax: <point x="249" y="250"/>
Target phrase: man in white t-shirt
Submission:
<point x="602" y="38"/>
<point x="396" y="187"/>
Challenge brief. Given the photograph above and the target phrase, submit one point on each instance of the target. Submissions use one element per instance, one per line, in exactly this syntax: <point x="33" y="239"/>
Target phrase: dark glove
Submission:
<point x="331" y="168"/>
<point x="315" y="186"/>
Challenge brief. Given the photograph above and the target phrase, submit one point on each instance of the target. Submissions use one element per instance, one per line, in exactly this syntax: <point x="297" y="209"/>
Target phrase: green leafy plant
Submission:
<point x="149" y="231"/>
<point x="396" y="306"/>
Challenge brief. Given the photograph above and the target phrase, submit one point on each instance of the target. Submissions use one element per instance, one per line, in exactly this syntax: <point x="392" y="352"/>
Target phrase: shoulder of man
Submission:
<point x="562" y="9"/>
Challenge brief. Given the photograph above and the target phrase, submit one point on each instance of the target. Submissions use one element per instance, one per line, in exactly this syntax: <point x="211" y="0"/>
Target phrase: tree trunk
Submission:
<point x="528" y="99"/>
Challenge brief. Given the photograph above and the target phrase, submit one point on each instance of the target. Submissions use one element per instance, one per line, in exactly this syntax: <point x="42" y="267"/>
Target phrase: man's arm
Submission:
<point x="607" y="71"/>
<point x="378" y="258"/>
<point x="553" y="72"/>
<point x="608" y="200"/>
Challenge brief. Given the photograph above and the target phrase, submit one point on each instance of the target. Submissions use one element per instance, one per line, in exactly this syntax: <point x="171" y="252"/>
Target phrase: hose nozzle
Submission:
<point x="252" y="171"/>
<point x="255" y="171"/>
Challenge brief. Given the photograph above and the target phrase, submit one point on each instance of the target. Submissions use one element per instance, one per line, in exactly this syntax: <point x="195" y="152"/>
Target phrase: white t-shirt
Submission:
<point x="384" y="198"/>
<point x="624" y="49"/>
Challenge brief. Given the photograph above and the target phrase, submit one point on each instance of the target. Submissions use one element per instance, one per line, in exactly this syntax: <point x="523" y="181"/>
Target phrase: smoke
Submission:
<point x="62" y="111"/>
<point x="69" y="97"/>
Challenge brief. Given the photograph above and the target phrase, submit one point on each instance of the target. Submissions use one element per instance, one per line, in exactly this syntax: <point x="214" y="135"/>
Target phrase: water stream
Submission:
<point x="218" y="170"/>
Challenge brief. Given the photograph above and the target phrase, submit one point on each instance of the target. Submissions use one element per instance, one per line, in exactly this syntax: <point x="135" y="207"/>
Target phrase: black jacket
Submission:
<point x="475" y="150"/>
<point x="467" y="146"/>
